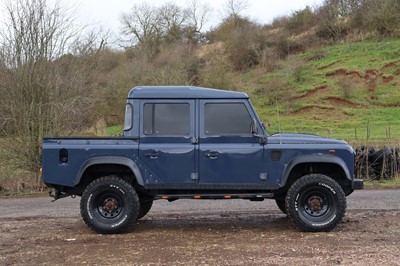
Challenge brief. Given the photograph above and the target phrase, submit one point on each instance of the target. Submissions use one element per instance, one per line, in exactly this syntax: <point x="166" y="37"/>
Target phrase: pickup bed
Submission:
<point x="198" y="143"/>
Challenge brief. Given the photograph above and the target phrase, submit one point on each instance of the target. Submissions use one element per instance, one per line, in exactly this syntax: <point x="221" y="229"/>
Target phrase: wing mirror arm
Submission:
<point x="254" y="131"/>
<point x="263" y="139"/>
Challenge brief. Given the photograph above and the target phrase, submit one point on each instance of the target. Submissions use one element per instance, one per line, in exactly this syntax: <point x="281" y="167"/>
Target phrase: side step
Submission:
<point x="252" y="197"/>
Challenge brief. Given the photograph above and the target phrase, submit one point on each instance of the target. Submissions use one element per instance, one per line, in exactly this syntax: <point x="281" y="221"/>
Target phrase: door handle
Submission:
<point x="151" y="155"/>
<point x="212" y="155"/>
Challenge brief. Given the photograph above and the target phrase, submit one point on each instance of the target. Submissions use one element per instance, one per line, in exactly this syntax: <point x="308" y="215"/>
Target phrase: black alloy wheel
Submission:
<point x="316" y="203"/>
<point x="110" y="205"/>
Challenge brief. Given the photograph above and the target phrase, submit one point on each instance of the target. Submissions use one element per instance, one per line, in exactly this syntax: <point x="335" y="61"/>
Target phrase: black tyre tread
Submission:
<point x="145" y="207"/>
<point x="130" y="192"/>
<point x="281" y="203"/>
<point x="302" y="183"/>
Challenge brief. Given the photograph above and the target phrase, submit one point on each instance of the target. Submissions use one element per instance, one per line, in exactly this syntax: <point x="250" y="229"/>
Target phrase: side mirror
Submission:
<point x="254" y="131"/>
<point x="253" y="127"/>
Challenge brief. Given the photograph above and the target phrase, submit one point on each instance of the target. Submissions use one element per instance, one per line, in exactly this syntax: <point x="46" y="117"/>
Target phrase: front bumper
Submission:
<point x="357" y="184"/>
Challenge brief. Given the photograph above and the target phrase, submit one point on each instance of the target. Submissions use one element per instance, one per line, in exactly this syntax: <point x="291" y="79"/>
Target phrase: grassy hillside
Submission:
<point x="349" y="91"/>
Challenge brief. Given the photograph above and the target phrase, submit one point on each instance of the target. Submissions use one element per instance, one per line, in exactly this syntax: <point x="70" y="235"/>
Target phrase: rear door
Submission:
<point x="228" y="151"/>
<point x="167" y="140"/>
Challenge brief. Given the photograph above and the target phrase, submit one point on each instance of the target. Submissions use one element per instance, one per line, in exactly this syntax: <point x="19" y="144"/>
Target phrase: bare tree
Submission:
<point x="93" y="41"/>
<point x="34" y="32"/>
<point x="333" y="18"/>
<point x="382" y="16"/>
<point x="172" y="19"/>
<point x="151" y="27"/>
<point x="233" y="8"/>
<point x="41" y="94"/>
<point x="197" y="13"/>
<point x="141" y="23"/>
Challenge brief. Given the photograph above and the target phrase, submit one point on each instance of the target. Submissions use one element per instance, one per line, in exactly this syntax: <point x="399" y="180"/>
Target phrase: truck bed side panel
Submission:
<point x="61" y="171"/>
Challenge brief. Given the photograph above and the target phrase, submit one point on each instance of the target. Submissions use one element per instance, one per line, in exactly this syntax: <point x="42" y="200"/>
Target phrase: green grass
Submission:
<point x="114" y="130"/>
<point x="369" y="112"/>
<point x="385" y="184"/>
<point x="110" y="131"/>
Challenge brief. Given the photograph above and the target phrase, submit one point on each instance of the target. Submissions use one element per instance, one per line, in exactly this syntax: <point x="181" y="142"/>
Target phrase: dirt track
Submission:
<point x="232" y="232"/>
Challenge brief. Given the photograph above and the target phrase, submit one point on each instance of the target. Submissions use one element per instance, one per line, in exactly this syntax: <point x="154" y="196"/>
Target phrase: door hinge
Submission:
<point x="194" y="176"/>
<point x="263" y="176"/>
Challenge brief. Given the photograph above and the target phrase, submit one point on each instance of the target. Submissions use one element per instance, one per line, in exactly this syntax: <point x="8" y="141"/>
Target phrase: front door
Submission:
<point x="229" y="153"/>
<point x="167" y="141"/>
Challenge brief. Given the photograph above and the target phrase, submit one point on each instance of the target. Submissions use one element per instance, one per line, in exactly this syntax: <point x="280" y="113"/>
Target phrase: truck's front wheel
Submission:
<point x="316" y="203"/>
<point x="109" y="205"/>
<point x="281" y="203"/>
<point x="145" y="207"/>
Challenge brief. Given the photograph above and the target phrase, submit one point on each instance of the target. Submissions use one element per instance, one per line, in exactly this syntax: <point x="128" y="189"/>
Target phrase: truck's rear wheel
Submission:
<point x="316" y="203"/>
<point x="109" y="205"/>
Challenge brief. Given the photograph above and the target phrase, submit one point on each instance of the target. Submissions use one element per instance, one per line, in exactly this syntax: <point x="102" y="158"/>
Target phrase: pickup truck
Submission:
<point x="183" y="142"/>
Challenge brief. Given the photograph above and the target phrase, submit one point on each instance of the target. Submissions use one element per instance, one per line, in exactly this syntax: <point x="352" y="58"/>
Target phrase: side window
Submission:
<point x="166" y="119"/>
<point x="128" y="117"/>
<point x="226" y="119"/>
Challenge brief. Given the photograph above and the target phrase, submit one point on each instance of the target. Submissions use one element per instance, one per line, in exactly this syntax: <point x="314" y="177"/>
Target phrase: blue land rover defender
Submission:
<point x="198" y="143"/>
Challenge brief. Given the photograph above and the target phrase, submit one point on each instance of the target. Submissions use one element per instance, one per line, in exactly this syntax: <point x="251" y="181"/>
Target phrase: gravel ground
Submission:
<point x="201" y="232"/>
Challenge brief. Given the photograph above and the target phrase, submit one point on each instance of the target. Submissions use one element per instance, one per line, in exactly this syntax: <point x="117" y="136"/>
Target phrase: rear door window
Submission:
<point x="166" y="119"/>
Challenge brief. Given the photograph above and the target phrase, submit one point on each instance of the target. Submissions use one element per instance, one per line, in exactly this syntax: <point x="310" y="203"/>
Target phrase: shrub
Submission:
<point x="294" y="67"/>
<point x="269" y="59"/>
<point x="276" y="91"/>
<point x="346" y="86"/>
<point x="300" y="21"/>
<point x="244" y="41"/>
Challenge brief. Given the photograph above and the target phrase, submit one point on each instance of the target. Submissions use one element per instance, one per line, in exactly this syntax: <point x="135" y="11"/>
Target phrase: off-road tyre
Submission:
<point x="145" y="207"/>
<point x="281" y="203"/>
<point x="316" y="203"/>
<point x="110" y="205"/>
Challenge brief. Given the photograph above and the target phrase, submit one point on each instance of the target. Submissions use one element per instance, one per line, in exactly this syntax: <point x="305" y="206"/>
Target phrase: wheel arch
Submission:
<point x="107" y="165"/>
<point x="331" y="166"/>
